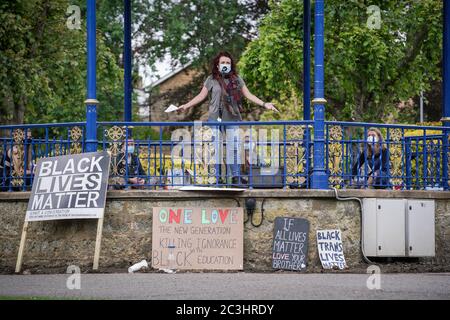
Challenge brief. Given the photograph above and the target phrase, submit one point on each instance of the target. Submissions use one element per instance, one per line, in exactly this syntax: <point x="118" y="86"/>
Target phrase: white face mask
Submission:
<point x="224" y="68"/>
<point x="130" y="149"/>
<point x="372" y="139"/>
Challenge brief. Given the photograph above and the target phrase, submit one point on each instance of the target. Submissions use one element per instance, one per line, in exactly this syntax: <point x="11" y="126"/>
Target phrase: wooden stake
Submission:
<point x="98" y="242"/>
<point x="22" y="246"/>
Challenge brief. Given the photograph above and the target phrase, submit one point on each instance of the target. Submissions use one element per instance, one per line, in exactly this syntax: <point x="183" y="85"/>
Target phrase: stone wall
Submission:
<point x="53" y="245"/>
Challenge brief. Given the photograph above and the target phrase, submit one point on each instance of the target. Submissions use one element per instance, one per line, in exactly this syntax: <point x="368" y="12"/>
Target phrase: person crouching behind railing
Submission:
<point x="376" y="156"/>
<point x="12" y="167"/>
<point x="128" y="158"/>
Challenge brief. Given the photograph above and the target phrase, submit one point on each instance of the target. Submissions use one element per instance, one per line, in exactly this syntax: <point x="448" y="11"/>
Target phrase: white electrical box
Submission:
<point x="369" y="227"/>
<point x="398" y="227"/>
<point x="390" y="227"/>
<point x="420" y="228"/>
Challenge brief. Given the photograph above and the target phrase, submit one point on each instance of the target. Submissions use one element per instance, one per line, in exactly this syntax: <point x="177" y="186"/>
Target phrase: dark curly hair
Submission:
<point x="215" y="62"/>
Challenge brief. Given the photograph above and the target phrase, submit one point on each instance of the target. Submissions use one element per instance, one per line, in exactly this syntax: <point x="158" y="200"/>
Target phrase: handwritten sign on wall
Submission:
<point x="290" y="243"/>
<point x="204" y="238"/>
<point x="331" y="251"/>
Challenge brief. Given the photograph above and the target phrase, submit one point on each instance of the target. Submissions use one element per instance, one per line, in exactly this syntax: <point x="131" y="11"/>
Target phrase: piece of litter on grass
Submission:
<point x="167" y="270"/>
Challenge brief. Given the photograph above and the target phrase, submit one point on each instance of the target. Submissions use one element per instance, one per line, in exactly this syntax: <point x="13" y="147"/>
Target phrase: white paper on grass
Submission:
<point x="171" y="108"/>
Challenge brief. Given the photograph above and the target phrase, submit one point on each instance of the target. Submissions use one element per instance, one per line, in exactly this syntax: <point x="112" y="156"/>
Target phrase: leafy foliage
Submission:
<point x="196" y="30"/>
<point x="367" y="71"/>
<point x="43" y="66"/>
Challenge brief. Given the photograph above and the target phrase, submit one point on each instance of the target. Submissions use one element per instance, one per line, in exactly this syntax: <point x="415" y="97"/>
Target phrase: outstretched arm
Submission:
<point x="250" y="96"/>
<point x="197" y="99"/>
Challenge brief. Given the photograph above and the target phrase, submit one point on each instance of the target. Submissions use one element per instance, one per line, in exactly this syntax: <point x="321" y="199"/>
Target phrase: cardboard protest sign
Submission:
<point x="203" y="238"/>
<point x="69" y="187"/>
<point x="331" y="250"/>
<point x="290" y="243"/>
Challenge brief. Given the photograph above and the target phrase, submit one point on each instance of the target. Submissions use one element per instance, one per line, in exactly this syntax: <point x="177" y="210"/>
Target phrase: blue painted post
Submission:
<point x="127" y="60"/>
<point x="446" y="148"/>
<point x="319" y="176"/>
<point x="91" y="102"/>
<point x="446" y="89"/>
<point x="306" y="59"/>
<point x="307" y="75"/>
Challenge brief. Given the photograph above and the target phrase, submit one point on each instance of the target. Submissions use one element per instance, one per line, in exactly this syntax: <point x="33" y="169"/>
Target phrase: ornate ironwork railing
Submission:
<point x="276" y="154"/>
<point x="22" y="146"/>
<point x="405" y="157"/>
<point x="240" y="154"/>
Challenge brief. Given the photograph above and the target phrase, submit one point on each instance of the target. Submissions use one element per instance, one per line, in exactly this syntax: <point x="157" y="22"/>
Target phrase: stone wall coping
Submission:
<point x="256" y="193"/>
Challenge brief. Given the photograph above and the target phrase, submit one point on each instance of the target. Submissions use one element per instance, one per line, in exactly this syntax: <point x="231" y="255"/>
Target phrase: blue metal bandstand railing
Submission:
<point x="273" y="154"/>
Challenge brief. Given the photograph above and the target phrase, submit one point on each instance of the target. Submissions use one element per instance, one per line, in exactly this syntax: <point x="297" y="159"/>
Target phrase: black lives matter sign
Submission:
<point x="69" y="187"/>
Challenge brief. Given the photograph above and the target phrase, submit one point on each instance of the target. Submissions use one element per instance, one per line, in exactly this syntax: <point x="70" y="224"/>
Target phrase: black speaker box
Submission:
<point x="262" y="177"/>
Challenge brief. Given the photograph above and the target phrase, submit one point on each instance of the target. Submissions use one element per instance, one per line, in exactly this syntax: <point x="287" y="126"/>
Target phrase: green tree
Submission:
<point x="196" y="30"/>
<point x="368" y="71"/>
<point x="43" y="66"/>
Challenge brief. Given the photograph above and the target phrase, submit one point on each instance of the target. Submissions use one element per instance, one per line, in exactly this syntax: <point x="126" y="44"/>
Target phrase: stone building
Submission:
<point x="177" y="87"/>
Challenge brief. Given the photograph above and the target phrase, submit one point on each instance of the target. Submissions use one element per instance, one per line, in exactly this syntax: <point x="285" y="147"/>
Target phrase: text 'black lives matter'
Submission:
<point x="69" y="187"/>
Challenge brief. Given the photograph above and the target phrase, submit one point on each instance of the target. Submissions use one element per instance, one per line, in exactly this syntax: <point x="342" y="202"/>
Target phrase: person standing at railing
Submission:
<point x="375" y="158"/>
<point x="226" y="90"/>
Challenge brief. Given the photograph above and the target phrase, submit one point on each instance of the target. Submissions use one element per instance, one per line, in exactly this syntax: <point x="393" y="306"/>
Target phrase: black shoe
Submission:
<point x="238" y="182"/>
<point x="235" y="181"/>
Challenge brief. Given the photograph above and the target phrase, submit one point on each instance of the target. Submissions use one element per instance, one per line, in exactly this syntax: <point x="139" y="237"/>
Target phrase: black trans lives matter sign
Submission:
<point x="69" y="187"/>
<point x="290" y="243"/>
